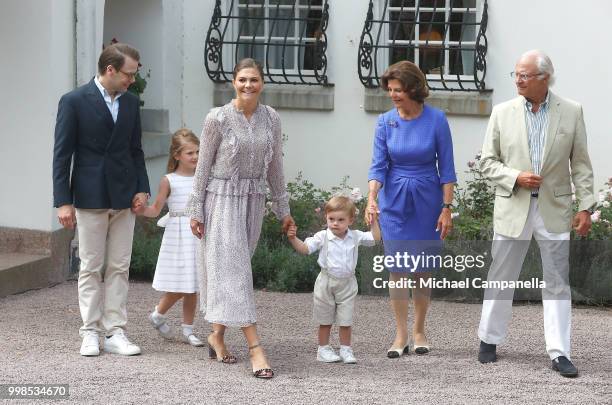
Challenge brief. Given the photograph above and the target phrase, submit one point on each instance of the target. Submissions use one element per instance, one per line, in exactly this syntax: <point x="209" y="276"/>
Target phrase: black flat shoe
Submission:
<point x="563" y="366"/>
<point x="396" y="353"/>
<point x="487" y="354"/>
<point x="421" y="349"/>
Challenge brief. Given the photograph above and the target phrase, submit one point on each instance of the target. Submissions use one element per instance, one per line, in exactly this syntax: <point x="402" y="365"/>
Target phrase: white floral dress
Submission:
<point x="237" y="158"/>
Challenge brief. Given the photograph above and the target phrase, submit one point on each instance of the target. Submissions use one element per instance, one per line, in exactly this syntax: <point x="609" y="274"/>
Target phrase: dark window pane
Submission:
<point x="463" y="27"/>
<point x="461" y="61"/>
<point x="431" y="59"/>
<point x="401" y="26"/>
<point x="398" y="53"/>
<point x="248" y="25"/>
<point x="312" y="23"/>
<point x="310" y="54"/>
<point x="250" y="50"/>
<point x="280" y="25"/>
<point x="401" y="3"/>
<point x="433" y="3"/>
<point x="280" y="56"/>
<point x="463" y="4"/>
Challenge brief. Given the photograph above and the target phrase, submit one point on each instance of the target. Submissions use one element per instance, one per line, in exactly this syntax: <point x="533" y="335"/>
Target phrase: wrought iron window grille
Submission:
<point x="287" y="36"/>
<point x="443" y="37"/>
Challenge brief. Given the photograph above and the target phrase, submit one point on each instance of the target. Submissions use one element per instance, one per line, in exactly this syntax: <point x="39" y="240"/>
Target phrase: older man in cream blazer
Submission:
<point x="535" y="147"/>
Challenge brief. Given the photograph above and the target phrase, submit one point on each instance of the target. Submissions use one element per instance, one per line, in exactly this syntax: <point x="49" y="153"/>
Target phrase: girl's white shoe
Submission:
<point x="193" y="340"/>
<point x="159" y="323"/>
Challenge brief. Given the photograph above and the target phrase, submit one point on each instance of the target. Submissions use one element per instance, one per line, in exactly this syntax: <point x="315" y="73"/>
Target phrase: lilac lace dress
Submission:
<point x="237" y="158"/>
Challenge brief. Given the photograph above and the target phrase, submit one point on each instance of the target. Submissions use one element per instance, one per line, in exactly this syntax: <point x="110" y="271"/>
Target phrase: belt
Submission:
<point x="535" y="195"/>
<point x="177" y="214"/>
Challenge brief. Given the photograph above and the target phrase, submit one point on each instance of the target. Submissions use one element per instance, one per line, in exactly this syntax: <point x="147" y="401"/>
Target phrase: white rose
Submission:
<point x="356" y="194"/>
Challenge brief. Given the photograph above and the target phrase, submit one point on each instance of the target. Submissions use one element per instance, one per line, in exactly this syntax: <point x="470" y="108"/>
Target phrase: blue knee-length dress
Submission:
<point x="412" y="159"/>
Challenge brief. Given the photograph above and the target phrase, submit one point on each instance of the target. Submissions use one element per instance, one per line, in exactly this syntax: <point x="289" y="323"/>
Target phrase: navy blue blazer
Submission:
<point x="108" y="166"/>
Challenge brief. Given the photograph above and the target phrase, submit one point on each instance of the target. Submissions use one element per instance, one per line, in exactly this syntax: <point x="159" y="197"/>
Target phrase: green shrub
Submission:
<point x="277" y="267"/>
<point x="473" y="216"/>
<point x="145" y="248"/>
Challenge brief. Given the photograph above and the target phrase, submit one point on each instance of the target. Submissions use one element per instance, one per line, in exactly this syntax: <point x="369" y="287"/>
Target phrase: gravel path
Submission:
<point x="39" y="343"/>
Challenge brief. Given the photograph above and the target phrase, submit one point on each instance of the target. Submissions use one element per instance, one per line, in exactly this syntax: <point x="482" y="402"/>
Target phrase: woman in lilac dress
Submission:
<point x="412" y="176"/>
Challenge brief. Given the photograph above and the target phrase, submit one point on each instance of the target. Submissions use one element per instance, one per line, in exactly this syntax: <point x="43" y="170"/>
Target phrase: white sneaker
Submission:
<point x="326" y="354"/>
<point x="162" y="327"/>
<point x="91" y="344"/>
<point x="347" y="356"/>
<point x="119" y="344"/>
<point x="193" y="340"/>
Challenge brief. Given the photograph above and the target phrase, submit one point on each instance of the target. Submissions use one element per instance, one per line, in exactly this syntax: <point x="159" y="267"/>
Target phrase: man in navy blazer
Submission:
<point x="98" y="133"/>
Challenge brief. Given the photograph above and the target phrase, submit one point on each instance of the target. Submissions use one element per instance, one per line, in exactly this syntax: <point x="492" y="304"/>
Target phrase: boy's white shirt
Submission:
<point x="338" y="256"/>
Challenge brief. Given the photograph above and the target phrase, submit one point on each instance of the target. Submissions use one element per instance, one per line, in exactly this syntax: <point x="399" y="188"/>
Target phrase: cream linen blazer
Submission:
<point x="505" y="154"/>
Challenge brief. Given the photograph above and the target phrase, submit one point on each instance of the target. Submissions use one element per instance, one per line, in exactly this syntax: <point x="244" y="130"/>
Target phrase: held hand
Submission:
<point x="371" y="212"/>
<point x="138" y="209"/>
<point x="140" y="199"/>
<point x="528" y="180"/>
<point x="197" y="228"/>
<point x="287" y="222"/>
<point x="445" y="223"/>
<point x="292" y="232"/>
<point x="582" y="223"/>
<point x="66" y="216"/>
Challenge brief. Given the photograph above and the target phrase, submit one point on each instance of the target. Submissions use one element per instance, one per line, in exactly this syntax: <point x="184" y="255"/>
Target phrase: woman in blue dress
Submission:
<point x="412" y="176"/>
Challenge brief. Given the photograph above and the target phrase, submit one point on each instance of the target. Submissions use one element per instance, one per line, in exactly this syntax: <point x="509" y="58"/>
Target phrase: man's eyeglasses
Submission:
<point x="129" y="75"/>
<point x="523" y="76"/>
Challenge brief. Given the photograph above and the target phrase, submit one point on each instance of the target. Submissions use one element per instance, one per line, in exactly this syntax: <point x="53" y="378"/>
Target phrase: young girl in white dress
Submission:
<point x="175" y="273"/>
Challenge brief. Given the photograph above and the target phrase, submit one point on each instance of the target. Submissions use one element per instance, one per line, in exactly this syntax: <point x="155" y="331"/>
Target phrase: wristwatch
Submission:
<point x="449" y="206"/>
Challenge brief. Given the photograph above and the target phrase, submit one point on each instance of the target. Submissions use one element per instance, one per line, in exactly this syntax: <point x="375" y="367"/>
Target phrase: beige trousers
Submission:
<point x="105" y="235"/>
<point x="508" y="255"/>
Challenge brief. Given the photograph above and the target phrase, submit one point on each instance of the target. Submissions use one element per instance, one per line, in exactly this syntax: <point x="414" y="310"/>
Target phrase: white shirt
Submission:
<point x="113" y="105"/>
<point x="339" y="256"/>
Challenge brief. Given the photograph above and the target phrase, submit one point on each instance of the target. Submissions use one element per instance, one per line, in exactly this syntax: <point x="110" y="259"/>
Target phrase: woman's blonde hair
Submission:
<point x="180" y="138"/>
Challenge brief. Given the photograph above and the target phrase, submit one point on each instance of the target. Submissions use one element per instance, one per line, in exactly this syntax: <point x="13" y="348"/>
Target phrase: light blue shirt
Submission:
<point x="112" y="104"/>
<point x="537" y="125"/>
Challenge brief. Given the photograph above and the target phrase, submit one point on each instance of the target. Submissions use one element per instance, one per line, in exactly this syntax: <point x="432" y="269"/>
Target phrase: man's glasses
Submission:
<point x="129" y="75"/>
<point x="523" y="76"/>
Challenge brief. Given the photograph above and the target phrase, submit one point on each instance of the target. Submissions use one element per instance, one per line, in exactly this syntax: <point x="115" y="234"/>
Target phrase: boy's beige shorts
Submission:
<point x="334" y="299"/>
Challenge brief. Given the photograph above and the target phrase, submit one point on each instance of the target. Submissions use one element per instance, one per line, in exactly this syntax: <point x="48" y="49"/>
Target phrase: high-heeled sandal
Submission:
<point x="212" y="353"/>
<point x="262" y="372"/>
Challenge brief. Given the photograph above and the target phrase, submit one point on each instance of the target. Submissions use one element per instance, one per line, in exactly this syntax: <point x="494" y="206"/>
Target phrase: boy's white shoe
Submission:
<point x="193" y="340"/>
<point x="91" y="344"/>
<point x="326" y="354"/>
<point x="347" y="356"/>
<point x="119" y="344"/>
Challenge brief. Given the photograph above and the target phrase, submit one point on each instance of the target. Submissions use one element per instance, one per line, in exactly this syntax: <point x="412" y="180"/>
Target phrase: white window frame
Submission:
<point x="300" y="5"/>
<point x="384" y="61"/>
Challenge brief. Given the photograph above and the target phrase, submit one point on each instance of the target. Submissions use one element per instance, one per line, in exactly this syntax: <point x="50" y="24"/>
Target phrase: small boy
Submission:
<point x="336" y="286"/>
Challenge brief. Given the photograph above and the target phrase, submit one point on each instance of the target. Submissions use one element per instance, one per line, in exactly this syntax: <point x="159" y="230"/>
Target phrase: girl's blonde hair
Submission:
<point x="180" y="138"/>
